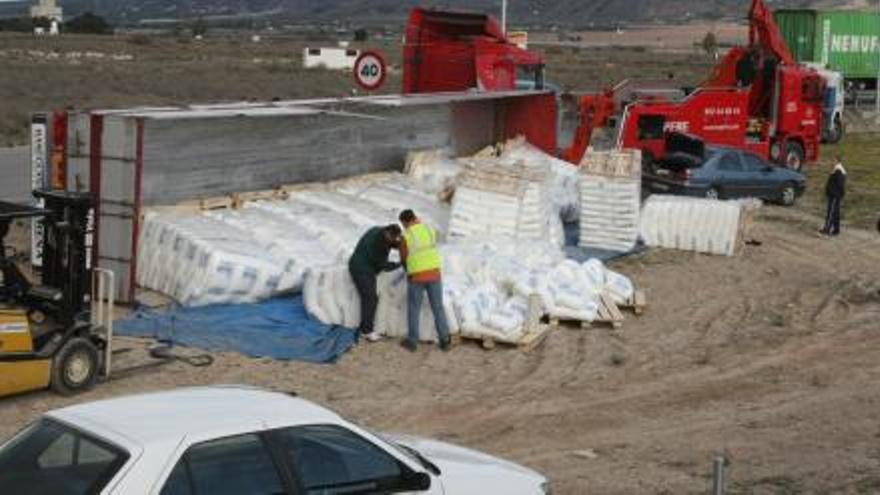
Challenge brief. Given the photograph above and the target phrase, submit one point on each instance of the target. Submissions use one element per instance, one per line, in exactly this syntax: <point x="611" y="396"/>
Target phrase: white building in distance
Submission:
<point x="47" y="9"/>
<point x="335" y="58"/>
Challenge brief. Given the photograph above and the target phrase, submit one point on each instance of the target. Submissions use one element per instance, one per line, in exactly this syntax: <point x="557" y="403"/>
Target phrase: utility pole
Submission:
<point x="504" y="17"/>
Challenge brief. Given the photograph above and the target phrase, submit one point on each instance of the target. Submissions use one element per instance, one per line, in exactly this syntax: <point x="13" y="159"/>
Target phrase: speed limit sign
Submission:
<point x="370" y="70"/>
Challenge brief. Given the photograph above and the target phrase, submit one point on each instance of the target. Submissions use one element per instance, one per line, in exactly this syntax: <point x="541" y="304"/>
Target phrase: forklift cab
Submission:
<point x="49" y="333"/>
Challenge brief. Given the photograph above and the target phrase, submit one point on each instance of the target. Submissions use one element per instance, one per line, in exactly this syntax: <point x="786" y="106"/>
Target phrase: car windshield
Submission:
<point x="48" y="458"/>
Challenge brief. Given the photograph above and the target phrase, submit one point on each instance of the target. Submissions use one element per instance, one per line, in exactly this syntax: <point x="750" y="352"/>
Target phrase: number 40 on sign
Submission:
<point x="370" y="70"/>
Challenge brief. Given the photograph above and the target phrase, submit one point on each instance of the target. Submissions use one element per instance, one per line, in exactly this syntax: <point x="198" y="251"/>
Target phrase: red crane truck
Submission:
<point x="758" y="98"/>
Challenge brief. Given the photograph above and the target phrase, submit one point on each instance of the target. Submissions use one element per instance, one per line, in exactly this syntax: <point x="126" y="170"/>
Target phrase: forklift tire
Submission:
<point x="75" y="367"/>
<point x="794" y="156"/>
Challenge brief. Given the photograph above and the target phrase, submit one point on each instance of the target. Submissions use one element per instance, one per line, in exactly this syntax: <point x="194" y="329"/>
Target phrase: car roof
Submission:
<point x="196" y="411"/>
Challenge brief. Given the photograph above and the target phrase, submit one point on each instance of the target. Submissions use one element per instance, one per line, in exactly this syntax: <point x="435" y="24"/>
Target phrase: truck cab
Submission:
<point x="834" y="102"/>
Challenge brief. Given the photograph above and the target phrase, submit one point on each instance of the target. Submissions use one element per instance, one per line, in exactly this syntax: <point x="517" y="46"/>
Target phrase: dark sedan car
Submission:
<point x="726" y="173"/>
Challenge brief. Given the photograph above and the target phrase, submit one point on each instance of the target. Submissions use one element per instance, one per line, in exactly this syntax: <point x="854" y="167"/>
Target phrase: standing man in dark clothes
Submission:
<point x="370" y="258"/>
<point x="835" y="190"/>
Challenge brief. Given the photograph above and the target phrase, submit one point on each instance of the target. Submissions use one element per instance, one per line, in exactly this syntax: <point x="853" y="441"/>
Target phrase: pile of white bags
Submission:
<point x="512" y="202"/>
<point x="610" y="200"/>
<point x="200" y="260"/>
<point x="486" y="289"/>
<point x="692" y="224"/>
<point x="437" y="170"/>
<point x="564" y="177"/>
<point x="266" y="247"/>
<point x="505" y="246"/>
<point x="434" y="170"/>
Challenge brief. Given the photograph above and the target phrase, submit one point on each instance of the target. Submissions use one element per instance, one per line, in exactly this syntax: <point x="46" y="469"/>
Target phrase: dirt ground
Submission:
<point x="772" y="357"/>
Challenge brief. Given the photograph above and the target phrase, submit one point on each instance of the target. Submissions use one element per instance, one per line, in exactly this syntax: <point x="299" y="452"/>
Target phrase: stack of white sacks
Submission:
<point x="302" y="243"/>
<point x="610" y="200"/>
<point x="693" y="224"/>
<point x="486" y="285"/>
<point x="498" y="201"/>
<point x="267" y="247"/>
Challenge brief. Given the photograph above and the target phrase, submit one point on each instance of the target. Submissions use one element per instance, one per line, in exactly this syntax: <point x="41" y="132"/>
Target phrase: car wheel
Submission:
<point x="794" y="156"/>
<point x="75" y="367"/>
<point x="713" y="193"/>
<point x="788" y="195"/>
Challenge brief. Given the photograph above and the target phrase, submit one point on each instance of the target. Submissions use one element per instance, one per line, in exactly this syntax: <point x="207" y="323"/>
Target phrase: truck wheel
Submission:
<point x="788" y="195"/>
<point x="835" y="134"/>
<point x="794" y="156"/>
<point x="75" y="367"/>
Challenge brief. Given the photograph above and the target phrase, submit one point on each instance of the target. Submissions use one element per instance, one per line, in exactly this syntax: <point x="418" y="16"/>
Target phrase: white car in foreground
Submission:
<point x="237" y="441"/>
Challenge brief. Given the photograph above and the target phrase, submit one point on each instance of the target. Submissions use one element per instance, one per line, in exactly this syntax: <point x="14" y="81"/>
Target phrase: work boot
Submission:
<point x="445" y="345"/>
<point x="410" y="346"/>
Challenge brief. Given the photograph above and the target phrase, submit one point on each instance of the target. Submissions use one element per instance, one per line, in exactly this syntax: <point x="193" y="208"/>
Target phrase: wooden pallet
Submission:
<point x="534" y="336"/>
<point x="637" y="303"/>
<point x="527" y="343"/>
<point x="608" y="314"/>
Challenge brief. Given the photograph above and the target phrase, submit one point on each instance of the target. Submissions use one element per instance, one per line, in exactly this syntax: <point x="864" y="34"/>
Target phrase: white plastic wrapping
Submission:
<point x="691" y="224"/>
<point x="564" y="177"/>
<point x="610" y="208"/>
<point x="266" y="248"/>
<point x="486" y="289"/>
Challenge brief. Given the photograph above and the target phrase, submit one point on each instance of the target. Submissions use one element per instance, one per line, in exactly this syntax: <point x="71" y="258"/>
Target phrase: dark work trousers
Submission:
<point x="365" y="283"/>
<point x="832" y="217"/>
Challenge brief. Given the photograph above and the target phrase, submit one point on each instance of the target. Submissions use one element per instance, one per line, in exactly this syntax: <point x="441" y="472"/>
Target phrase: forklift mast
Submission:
<point x="65" y="287"/>
<point x="65" y="261"/>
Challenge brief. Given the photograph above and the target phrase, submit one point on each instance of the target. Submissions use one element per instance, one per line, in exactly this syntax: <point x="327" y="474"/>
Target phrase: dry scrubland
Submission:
<point x="102" y="72"/>
<point x="772" y="357"/>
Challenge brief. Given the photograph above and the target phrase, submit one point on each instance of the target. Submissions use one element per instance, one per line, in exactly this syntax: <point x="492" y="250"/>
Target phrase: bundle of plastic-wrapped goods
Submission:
<point x="434" y="170"/>
<point x="199" y="260"/>
<point x="487" y="284"/>
<point x="396" y="193"/>
<point x="266" y="247"/>
<point x="565" y="179"/>
<point x="610" y="200"/>
<point x="501" y="201"/>
<point x="692" y="224"/>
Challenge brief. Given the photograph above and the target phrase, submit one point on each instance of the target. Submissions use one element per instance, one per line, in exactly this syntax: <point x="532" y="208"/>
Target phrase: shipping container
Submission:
<point x="847" y="41"/>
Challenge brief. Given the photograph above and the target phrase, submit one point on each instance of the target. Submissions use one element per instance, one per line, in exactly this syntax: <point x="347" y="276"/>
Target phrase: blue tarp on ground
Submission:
<point x="278" y="328"/>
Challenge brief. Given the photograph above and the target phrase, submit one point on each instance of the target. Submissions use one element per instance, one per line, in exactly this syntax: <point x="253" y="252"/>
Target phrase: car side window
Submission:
<point x="753" y="163"/>
<point x="328" y="459"/>
<point x="179" y="481"/>
<point x="239" y="465"/>
<point x="729" y="162"/>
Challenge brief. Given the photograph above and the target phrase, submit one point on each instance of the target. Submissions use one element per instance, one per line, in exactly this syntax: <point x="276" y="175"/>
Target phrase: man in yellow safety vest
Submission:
<point x="419" y="254"/>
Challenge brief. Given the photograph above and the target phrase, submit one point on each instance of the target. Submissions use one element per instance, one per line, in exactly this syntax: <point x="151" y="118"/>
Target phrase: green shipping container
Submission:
<point x="846" y="41"/>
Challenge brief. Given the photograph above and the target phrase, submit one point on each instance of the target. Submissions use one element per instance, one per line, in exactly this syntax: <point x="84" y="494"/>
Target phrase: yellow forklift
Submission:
<point x="56" y="333"/>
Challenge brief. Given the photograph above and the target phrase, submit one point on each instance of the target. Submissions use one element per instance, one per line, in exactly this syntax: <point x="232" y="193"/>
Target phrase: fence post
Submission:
<point x="719" y="466"/>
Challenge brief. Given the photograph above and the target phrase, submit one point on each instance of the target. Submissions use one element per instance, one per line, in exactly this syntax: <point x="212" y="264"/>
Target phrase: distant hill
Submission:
<point x="522" y="12"/>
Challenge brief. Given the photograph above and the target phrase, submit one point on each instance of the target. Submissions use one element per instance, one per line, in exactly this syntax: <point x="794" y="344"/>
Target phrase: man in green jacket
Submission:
<point x="369" y="259"/>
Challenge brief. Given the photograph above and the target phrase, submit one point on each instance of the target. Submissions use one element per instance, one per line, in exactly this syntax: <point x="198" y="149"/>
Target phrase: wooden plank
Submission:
<point x="534" y="339"/>
<point x="527" y="343"/>
<point x="637" y="302"/>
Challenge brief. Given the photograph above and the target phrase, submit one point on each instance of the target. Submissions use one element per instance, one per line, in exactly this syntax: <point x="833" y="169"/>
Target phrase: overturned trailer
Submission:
<point x="136" y="159"/>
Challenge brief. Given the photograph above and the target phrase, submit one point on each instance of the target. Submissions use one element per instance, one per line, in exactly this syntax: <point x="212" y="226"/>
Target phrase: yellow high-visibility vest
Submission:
<point x="421" y="249"/>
